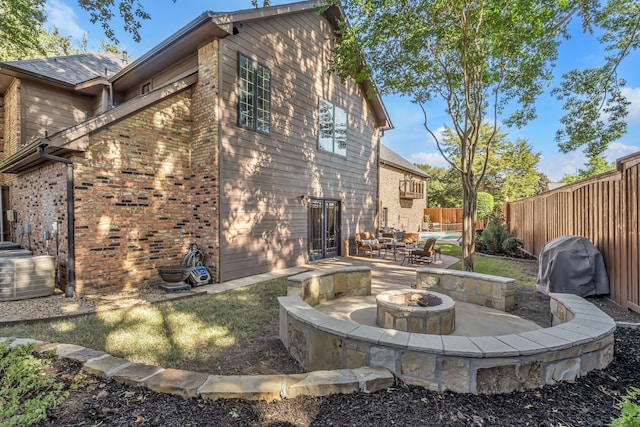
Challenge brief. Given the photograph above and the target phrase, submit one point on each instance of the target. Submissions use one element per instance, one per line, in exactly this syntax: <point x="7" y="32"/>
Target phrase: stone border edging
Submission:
<point x="213" y="387"/>
<point x="580" y="340"/>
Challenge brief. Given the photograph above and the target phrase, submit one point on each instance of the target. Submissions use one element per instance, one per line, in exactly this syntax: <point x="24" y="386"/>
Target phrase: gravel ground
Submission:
<point x="96" y="301"/>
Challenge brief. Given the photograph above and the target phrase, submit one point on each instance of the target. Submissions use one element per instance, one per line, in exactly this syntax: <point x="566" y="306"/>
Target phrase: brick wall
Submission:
<point x="12" y="126"/>
<point x="132" y="197"/>
<point x="404" y="214"/>
<point x="1" y="126"/>
<point x="205" y="158"/>
<point x="39" y="199"/>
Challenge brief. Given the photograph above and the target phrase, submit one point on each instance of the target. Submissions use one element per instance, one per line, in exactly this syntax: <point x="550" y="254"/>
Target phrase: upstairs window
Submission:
<point x="254" y="95"/>
<point x="332" y="128"/>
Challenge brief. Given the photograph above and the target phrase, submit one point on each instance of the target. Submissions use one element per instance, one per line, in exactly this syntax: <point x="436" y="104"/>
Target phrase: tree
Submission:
<point x="444" y="187"/>
<point x="22" y="21"/>
<point x="595" y="109"/>
<point x="511" y="168"/>
<point x="484" y="205"/>
<point x="594" y="166"/>
<point x="478" y="57"/>
<point x="48" y="43"/>
<point x="20" y="25"/>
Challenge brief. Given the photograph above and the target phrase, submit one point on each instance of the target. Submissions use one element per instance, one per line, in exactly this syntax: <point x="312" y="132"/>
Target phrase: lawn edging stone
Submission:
<point x="188" y="384"/>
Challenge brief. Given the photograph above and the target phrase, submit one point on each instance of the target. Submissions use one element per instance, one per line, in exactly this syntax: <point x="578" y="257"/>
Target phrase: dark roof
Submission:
<point x="390" y="157"/>
<point x="73" y="69"/>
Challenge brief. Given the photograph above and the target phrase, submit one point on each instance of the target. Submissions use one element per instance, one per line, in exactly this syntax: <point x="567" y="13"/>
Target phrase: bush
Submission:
<point x="497" y="238"/>
<point x="512" y="245"/>
<point x="25" y="391"/>
<point x="495" y="234"/>
<point x="629" y="410"/>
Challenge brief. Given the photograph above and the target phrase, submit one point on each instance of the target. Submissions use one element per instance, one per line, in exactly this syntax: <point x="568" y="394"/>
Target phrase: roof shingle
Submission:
<point x="73" y="69"/>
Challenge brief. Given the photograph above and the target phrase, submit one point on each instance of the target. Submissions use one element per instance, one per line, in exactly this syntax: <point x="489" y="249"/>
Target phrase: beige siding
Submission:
<point x="180" y="69"/>
<point x="403" y="214"/>
<point x="51" y="110"/>
<point x="263" y="219"/>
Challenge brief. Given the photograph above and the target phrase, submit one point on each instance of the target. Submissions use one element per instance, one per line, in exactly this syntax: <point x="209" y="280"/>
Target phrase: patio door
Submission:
<point x="324" y="229"/>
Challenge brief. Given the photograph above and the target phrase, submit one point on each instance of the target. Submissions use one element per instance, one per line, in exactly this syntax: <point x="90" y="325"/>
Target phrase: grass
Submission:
<point x="184" y="334"/>
<point x="194" y="333"/>
<point x="497" y="266"/>
<point x="26" y="391"/>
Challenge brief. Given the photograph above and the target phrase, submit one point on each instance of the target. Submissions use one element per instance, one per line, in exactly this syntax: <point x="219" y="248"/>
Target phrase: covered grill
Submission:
<point x="571" y="264"/>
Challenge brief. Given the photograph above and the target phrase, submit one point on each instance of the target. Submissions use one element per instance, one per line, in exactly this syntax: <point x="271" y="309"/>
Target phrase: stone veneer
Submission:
<point x="325" y="285"/>
<point x="464" y="286"/>
<point x="394" y="312"/>
<point x="580" y="340"/>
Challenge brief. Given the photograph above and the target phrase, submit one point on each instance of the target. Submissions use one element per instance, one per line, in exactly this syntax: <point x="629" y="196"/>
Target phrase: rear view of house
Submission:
<point x="230" y="134"/>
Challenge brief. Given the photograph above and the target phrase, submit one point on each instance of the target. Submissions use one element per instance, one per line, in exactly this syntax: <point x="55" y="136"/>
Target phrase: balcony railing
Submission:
<point x="410" y="189"/>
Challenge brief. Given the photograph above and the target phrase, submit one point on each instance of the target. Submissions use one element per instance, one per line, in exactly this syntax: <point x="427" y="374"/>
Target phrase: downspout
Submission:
<point x="71" y="255"/>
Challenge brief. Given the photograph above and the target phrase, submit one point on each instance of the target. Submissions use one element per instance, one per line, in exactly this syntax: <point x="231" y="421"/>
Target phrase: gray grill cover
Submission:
<point x="572" y="265"/>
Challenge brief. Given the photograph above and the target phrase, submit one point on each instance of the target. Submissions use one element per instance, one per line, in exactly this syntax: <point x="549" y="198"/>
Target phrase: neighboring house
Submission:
<point x="403" y="192"/>
<point x="554" y="185"/>
<point x="230" y="134"/>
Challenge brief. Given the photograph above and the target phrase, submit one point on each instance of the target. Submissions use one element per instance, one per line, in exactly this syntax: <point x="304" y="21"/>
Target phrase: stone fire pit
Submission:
<point x="418" y="311"/>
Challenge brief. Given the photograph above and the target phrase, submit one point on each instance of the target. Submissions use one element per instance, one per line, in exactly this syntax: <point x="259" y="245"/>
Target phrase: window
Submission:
<point x="254" y="95"/>
<point x="332" y="128"/>
<point x="146" y="88"/>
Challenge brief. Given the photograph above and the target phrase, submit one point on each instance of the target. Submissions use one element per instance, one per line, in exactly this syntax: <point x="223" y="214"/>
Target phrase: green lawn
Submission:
<point x="521" y="271"/>
<point x="187" y="334"/>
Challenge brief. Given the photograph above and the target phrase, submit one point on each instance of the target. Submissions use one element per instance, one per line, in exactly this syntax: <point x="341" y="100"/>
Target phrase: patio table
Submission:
<point x="395" y="245"/>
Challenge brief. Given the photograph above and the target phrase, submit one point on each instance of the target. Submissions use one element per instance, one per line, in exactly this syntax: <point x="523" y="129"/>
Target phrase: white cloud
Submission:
<point x="431" y="159"/>
<point x="618" y="149"/>
<point x="559" y="165"/>
<point x="633" y="95"/>
<point x="61" y="15"/>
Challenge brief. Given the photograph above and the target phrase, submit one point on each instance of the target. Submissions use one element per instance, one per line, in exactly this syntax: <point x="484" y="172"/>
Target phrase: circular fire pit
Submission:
<point x="419" y="311"/>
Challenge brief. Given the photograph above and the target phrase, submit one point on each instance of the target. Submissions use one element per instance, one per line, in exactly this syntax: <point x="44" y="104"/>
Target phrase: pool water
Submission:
<point x="438" y="236"/>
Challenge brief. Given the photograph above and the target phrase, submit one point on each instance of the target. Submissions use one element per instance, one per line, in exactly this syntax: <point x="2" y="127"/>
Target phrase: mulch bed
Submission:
<point x="589" y="401"/>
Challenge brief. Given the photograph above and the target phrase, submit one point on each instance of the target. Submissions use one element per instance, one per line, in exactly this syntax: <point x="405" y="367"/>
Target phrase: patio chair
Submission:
<point x="427" y="253"/>
<point x="367" y="242"/>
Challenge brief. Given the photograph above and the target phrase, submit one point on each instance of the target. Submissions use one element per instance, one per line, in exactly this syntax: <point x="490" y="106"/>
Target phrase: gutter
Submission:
<point x="71" y="255"/>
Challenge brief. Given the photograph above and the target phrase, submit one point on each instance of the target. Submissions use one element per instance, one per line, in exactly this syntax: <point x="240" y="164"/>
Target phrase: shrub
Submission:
<point x="495" y="234"/>
<point x="629" y="410"/>
<point x="512" y="245"/>
<point x="26" y="392"/>
<point x="497" y="238"/>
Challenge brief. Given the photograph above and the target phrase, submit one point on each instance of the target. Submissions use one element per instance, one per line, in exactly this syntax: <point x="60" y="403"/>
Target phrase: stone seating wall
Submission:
<point x="580" y="340"/>
<point x="319" y="286"/>
<point x="464" y="286"/>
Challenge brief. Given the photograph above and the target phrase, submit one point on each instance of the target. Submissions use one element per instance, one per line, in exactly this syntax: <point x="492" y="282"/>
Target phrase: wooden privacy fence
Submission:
<point x="603" y="209"/>
<point x="444" y="216"/>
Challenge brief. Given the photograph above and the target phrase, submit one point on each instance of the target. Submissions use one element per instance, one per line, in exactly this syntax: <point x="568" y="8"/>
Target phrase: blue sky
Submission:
<point x="409" y="137"/>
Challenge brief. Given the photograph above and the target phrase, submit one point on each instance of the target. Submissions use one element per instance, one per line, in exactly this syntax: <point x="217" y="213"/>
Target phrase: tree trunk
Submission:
<point x="469" y="196"/>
